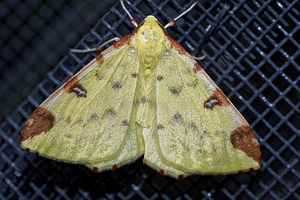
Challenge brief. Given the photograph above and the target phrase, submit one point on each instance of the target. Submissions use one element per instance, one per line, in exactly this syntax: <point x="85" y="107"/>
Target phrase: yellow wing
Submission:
<point x="89" y="119"/>
<point x="198" y="131"/>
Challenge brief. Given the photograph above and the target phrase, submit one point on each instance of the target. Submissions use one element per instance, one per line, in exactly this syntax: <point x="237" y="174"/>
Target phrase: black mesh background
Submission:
<point x="253" y="57"/>
<point x="34" y="36"/>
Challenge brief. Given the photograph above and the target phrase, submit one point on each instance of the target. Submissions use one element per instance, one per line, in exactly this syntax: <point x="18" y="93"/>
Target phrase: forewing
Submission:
<point x="87" y="120"/>
<point x="199" y="130"/>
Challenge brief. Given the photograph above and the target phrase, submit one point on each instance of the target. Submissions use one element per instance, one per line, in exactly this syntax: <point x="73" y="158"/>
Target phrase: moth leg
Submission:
<point x="95" y="49"/>
<point x="200" y="57"/>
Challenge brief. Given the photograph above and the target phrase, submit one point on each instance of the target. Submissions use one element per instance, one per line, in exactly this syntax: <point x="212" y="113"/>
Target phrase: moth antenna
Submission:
<point x="173" y="21"/>
<point x="95" y="49"/>
<point x="131" y="18"/>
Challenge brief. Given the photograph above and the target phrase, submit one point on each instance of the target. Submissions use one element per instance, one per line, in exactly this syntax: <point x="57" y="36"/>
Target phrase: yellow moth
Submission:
<point x="144" y="95"/>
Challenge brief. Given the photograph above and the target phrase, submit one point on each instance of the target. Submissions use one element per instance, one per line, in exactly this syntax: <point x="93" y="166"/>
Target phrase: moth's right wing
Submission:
<point x="89" y="120"/>
<point x="199" y="131"/>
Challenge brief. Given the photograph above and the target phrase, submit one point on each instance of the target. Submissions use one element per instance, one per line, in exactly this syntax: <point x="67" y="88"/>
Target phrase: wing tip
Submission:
<point x="243" y="138"/>
<point x="41" y="120"/>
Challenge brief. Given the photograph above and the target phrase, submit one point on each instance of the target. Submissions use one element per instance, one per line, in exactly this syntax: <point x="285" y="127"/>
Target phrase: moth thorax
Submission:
<point x="150" y="42"/>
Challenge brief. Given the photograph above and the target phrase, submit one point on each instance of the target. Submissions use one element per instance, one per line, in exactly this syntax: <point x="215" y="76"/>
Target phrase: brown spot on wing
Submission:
<point x="144" y="99"/>
<point x="175" y="90"/>
<point x="159" y="77"/>
<point x="41" y="120"/>
<point x="159" y="126"/>
<point x="73" y="85"/>
<point x="134" y="75"/>
<point x="124" y="122"/>
<point x="218" y="98"/>
<point x="114" y="167"/>
<point x="192" y="125"/>
<point x="161" y="171"/>
<point x="95" y="169"/>
<point x="117" y="85"/>
<point x="197" y="67"/>
<point x="110" y="112"/>
<point x="123" y="41"/>
<point x="100" y="58"/>
<point x="177" y="117"/>
<point x="93" y="117"/>
<point x="180" y="177"/>
<point x="244" y="139"/>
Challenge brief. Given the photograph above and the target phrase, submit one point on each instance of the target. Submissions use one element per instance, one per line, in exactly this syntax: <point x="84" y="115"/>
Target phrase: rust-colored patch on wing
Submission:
<point x="41" y="120"/>
<point x="123" y="41"/>
<point x="180" y="177"/>
<point x="114" y="167"/>
<point x="161" y="171"/>
<point x="159" y="77"/>
<point x="73" y="85"/>
<point x="95" y="169"/>
<point x="244" y="139"/>
<point x="197" y="67"/>
<point x="100" y="58"/>
<point x="134" y="75"/>
<point x="218" y="98"/>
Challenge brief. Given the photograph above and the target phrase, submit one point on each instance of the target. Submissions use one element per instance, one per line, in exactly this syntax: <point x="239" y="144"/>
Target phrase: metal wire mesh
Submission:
<point x="34" y="36"/>
<point x="253" y="57"/>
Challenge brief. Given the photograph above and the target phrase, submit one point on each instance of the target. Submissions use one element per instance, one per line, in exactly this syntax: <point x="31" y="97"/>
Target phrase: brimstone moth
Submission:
<point x="144" y="95"/>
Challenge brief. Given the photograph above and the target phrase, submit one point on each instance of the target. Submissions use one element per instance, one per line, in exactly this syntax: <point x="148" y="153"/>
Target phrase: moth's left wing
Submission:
<point x="89" y="120"/>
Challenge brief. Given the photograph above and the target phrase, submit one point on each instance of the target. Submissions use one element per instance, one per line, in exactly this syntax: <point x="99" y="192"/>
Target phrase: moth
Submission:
<point x="144" y="95"/>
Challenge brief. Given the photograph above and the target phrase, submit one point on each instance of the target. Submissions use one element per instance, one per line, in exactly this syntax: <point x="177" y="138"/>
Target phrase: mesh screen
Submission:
<point x="254" y="58"/>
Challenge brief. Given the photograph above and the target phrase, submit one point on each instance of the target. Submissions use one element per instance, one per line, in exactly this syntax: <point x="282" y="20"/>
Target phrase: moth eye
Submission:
<point x="167" y="54"/>
<point x="131" y="50"/>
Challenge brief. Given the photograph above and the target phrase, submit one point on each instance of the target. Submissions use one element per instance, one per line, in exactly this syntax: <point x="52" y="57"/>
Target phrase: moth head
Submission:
<point x="150" y="23"/>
